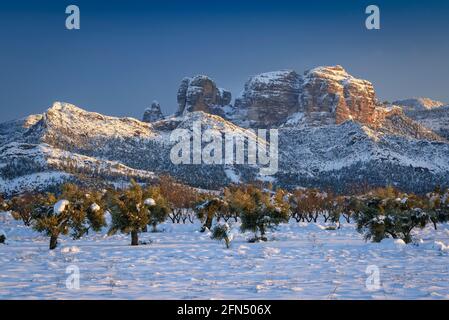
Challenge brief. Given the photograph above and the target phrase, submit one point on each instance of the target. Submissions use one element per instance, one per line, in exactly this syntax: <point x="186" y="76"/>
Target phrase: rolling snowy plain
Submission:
<point x="301" y="261"/>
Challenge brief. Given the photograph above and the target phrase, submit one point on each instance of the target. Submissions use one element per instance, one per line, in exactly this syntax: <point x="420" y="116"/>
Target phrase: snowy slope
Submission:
<point x="68" y="139"/>
<point x="28" y="167"/>
<point x="418" y="104"/>
<point x="182" y="263"/>
<point x="436" y="119"/>
<point x="344" y="156"/>
<point x="429" y="113"/>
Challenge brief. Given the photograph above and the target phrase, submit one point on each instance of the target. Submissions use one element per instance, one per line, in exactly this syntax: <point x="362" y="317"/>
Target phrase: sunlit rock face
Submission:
<point x="323" y="95"/>
<point x="330" y="95"/>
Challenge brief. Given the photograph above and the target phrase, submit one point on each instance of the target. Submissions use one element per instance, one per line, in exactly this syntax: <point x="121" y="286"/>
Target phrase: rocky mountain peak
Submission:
<point x="153" y="113"/>
<point x="429" y="113"/>
<point x="59" y="106"/>
<point x="65" y="125"/>
<point x="331" y="95"/>
<point x="270" y="98"/>
<point x="320" y="148"/>
<point x="321" y="96"/>
<point x="337" y="72"/>
<point x="418" y="104"/>
<point x="201" y="93"/>
<point x="68" y="140"/>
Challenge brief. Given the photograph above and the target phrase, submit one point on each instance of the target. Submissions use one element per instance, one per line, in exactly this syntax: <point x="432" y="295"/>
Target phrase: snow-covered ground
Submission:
<point x="303" y="261"/>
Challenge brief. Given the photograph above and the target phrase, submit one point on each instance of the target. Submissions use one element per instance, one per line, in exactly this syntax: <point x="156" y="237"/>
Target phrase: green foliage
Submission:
<point x="45" y="219"/>
<point x="84" y="211"/>
<point x="351" y="207"/>
<point x="259" y="211"/>
<point x="333" y="208"/>
<point x="22" y="207"/>
<point x="371" y="222"/>
<point x="159" y="212"/>
<point x="19" y="167"/>
<point x="129" y="212"/>
<point x="4" y="205"/>
<point x="380" y="213"/>
<point x="208" y="209"/>
<point x="221" y="233"/>
<point x="436" y="204"/>
<point x="392" y="217"/>
<point x="85" y="207"/>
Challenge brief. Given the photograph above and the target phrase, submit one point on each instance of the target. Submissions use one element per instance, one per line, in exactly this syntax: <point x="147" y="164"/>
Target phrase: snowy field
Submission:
<point x="302" y="261"/>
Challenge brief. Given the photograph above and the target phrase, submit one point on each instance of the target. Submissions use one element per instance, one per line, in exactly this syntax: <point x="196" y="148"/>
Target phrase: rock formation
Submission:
<point x="330" y="94"/>
<point x="324" y="95"/>
<point x="270" y="98"/>
<point x="68" y="140"/>
<point x="321" y="96"/>
<point x="200" y="93"/>
<point x="153" y="113"/>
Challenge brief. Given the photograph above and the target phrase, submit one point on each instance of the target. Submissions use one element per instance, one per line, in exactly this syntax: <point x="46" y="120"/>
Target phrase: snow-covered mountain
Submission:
<point x="359" y="141"/>
<point x="418" y="104"/>
<point x="74" y="142"/>
<point x="430" y="113"/>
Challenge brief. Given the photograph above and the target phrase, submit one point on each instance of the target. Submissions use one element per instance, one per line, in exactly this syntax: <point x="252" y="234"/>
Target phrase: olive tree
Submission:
<point x="75" y="211"/>
<point x="260" y="211"/>
<point x="208" y="209"/>
<point x="392" y="217"/>
<point x="157" y="205"/>
<point x="130" y="211"/>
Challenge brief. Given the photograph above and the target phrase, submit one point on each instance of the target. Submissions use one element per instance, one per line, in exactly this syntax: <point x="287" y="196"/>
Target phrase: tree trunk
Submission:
<point x="227" y="242"/>
<point x="262" y="233"/>
<point x="434" y="224"/>
<point x="53" y="242"/>
<point x="208" y="223"/>
<point x="134" y="238"/>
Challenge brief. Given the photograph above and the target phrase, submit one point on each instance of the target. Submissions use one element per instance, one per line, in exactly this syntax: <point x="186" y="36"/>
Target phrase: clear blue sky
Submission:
<point x="129" y="53"/>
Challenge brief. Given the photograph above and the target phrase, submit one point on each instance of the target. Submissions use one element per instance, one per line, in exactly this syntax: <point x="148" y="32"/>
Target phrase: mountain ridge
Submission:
<point x="385" y="148"/>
